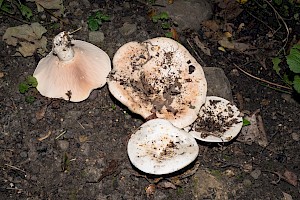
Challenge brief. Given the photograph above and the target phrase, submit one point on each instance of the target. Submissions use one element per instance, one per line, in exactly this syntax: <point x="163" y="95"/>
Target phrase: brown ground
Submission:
<point x="87" y="140"/>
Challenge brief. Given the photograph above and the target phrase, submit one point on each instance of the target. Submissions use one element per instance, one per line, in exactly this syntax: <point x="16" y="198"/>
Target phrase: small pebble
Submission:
<point x="247" y="183"/>
<point x="23" y="154"/>
<point x="63" y="144"/>
<point x="255" y="173"/>
<point x="296" y="136"/>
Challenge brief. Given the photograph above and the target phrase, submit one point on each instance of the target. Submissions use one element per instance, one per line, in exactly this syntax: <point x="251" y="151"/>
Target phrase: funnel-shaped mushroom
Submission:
<point x="72" y="69"/>
<point x="218" y="121"/>
<point x="158" y="147"/>
<point x="158" y="77"/>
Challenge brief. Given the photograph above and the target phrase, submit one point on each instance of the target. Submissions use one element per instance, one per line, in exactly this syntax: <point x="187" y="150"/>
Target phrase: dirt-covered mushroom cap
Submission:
<point x="158" y="147"/>
<point x="158" y="77"/>
<point x="72" y="69"/>
<point x="218" y="121"/>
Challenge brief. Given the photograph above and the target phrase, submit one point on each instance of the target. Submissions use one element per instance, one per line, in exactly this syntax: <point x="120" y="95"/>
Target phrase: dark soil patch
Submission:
<point x="86" y="142"/>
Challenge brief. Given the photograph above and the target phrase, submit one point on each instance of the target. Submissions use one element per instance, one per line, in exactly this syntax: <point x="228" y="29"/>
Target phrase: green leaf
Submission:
<point x="169" y="34"/>
<point x="293" y="59"/>
<point x="26" y="11"/>
<point x="287" y="80"/>
<point x="278" y="2"/>
<point x="276" y="62"/>
<point x="296" y="83"/>
<point x="246" y="122"/>
<point x="165" y="25"/>
<point x="23" y="88"/>
<point x="1" y="1"/>
<point x="7" y="8"/>
<point x="163" y="16"/>
<point x="155" y="18"/>
<point x="29" y="99"/>
<point x="93" y="25"/>
<point x="31" y="81"/>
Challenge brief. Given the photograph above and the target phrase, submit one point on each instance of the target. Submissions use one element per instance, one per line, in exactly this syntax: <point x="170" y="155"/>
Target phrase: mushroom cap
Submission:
<point x="77" y="77"/>
<point x="158" y="147"/>
<point x="158" y="76"/>
<point x="218" y="121"/>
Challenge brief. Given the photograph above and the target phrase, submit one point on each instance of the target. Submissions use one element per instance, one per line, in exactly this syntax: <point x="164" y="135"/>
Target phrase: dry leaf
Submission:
<point x="41" y="113"/>
<point x="166" y="185"/>
<point x="290" y="177"/>
<point x="174" y="34"/>
<point x="286" y="196"/>
<point x="254" y="132"/>
<point x="201" y="46"/>
<point x="211" y="25"/>
<point x="29" y="37"/>
<point x="1" y="74"/>
<point x="83" y="138"/>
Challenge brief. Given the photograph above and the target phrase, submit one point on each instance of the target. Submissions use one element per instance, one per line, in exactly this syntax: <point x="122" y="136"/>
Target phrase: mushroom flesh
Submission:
<point x="158" y="148"/>
<point x="218" y="121"/>
<point x="158" y="77"/>
<point x="72" y="69"/>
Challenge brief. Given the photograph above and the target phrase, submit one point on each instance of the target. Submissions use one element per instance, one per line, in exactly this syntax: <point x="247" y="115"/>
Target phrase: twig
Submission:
<point x="53" y="15"/>
<point x="44" y="137"/>
<point x="16" y="168"/>
<point x="15" y="18"/>
<point x="284" y="23"/>
<point x="60" y="135"/>
<point x="202" y="62"/>
<point x="262" y="80"/>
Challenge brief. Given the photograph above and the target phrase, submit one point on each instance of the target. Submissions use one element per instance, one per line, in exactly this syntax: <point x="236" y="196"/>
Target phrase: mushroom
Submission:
<point x="158" y="147"/>
<point x="158" y="77"/>
<point x="218" y="121"/>
<point x="72" y="69"/>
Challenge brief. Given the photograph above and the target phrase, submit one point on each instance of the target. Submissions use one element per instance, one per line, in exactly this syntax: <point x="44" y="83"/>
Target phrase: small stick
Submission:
<point x="60" y="135"/>
<point x="16" y="168"/>
<point x="262" y="80"/>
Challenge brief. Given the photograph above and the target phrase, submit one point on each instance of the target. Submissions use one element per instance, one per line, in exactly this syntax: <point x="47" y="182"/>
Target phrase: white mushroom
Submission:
<point x="158" y="77"/>
<point x="218" y="121"/>
<point x="72" y="69"/>
<point x="158" y="147"/>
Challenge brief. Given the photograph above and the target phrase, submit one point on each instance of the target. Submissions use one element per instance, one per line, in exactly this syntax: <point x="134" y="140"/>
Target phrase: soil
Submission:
<point x="55" y="149"/>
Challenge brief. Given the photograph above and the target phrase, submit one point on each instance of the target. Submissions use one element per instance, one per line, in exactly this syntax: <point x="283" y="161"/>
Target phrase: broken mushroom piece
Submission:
<point x="158" y="148"/>
<point x="218" y="121"/>
<point x="72" y="69"/>
<point x="158" y="77"/>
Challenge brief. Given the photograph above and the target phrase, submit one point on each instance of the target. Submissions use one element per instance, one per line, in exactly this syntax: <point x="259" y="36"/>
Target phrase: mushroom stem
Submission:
<point x="62" y="46"/>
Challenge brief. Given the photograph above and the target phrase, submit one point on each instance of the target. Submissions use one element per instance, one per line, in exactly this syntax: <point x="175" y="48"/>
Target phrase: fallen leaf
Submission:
<point x="174" y="34"/>
<point x="286" y="196"/>
<point x="212" y="25"/>
<point x="29" y="37"/>
<point x="83" y="138"/>
<point x="49" y="4"/>
<point x="41" y="113"/>
<point x="166" y="185"/>
<point x="290" y="177"/>
<point x="1" y="74"/>
<point x="200" y="45"/>
<point x="254" y="132"/>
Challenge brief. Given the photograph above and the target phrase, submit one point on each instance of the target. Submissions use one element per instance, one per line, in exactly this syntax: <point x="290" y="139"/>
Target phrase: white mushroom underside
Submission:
<point x="75" y="78"/>
<point x="160" y="148"/>
<point x="159" y="76"/>
<point x="218" y="121"/>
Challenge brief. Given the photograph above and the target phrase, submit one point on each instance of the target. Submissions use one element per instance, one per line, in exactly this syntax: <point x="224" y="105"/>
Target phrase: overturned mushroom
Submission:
<point x="158" y="147"/>
<point x="158" y="77"/>
<point x="218" y="121"/>
<point x="72" y="69"/>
